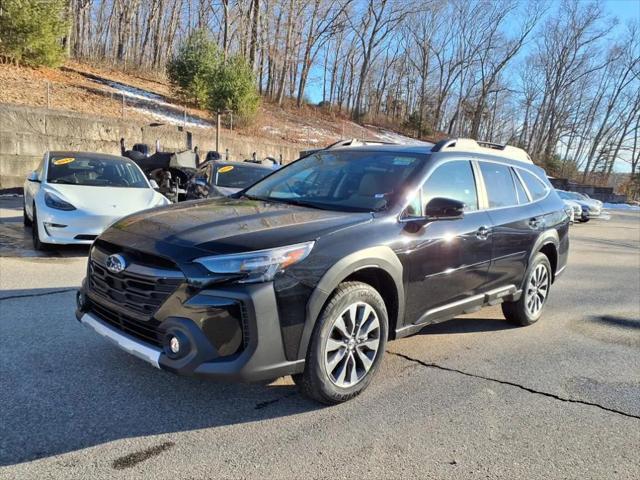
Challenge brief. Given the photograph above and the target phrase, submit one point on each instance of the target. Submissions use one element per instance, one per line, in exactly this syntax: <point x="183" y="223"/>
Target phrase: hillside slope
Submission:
<point x="112" y="93"/>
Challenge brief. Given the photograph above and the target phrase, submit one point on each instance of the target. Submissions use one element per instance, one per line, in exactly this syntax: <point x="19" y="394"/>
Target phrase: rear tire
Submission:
<point x="535" y="292"/>
<point x="347" y="345"/>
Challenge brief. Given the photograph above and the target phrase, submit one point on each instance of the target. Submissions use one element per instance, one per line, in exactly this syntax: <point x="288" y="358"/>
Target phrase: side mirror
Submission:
<point x="154" y="184"/>
<point x="444" y="209"/>
<point x="33" y="177"/>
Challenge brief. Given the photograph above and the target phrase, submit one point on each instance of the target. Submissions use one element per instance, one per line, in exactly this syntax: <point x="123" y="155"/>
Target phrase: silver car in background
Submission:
<point x="593" y="207"/>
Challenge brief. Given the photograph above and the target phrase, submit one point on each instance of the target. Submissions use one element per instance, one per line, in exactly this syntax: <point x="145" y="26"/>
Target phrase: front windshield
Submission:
<point x="239" y="176"/>
<point x="341" y="180"/>
<point x="96" y="172"/>
<point x="573" y="196"/>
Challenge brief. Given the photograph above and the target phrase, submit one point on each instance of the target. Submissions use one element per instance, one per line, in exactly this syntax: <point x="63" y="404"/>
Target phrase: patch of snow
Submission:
<point x="151" y="104"/>
<point x="621" y="206"/>
<point x="173" y="118"/>
<point x="393" y="137"/>
<point x="133" y="92"/>
<point x="272" y="130"/>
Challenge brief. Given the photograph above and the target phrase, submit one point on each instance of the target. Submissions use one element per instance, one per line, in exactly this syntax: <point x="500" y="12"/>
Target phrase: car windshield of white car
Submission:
<point x="95" y="172"/>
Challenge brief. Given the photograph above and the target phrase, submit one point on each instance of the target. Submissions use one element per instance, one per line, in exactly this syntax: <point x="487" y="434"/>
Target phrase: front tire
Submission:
<point x="35" y="234"/>
<point x="25" y="218"/>
<point x="347" y="345"/>
<point x="535" y="292"/>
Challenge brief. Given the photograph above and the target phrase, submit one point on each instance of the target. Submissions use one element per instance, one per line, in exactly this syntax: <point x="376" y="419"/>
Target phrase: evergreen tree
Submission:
<point x="232" y="87"/>
<point x="191" y="69"/>
<point x="31" y="31"/>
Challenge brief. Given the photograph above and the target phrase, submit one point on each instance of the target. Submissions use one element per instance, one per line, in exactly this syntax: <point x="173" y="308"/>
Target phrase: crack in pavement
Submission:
<point x="41" y="294"/>
<point x="513" y="384"/>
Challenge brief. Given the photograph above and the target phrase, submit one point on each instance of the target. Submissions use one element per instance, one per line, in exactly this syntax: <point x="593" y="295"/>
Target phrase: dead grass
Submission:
<point x="70" y="90"/>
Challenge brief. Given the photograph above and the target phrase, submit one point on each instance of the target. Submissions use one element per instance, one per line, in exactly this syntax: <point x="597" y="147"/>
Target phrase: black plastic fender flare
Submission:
<point x="381" y="257"/>
<point x="549" y="236"/>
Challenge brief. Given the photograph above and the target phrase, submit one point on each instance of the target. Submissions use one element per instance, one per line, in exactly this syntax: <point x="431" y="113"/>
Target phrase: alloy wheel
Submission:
<point x="537" y="289"/>
<point x="352" y="344"/>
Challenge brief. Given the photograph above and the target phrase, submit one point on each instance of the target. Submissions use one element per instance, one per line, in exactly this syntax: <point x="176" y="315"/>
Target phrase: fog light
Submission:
<point x="54" y="225"/>
<point x="174" y="345"/>
<point x="81" y="301"/>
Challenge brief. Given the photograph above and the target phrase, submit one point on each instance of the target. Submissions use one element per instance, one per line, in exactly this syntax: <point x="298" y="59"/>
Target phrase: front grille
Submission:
<point x="140" y="294"/>
<point x="146" y="331"/>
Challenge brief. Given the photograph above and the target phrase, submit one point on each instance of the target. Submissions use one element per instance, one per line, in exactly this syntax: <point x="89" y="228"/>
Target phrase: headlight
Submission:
<point x="53" y="201"/>
<point x="259" y="265"/>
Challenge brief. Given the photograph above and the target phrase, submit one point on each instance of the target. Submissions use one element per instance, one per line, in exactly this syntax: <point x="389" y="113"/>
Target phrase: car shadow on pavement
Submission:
<point x="467" y="325"/>
<point x="64" y="388"/>
<point x="16" y="241"/>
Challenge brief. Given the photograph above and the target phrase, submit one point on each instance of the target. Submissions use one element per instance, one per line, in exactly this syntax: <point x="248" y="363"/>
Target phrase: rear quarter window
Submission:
<point x="499" y="184"/>
<point x="536" y="188"/>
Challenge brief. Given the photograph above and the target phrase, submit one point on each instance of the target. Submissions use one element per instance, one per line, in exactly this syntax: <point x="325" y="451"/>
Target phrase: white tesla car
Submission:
<point x="73" y="196"/>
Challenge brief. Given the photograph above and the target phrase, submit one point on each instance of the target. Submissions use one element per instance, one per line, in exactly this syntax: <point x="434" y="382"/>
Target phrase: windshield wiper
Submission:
<point x="299" y="203"/>
<point x="286" y="201"/>
<point x="253" y="197"/>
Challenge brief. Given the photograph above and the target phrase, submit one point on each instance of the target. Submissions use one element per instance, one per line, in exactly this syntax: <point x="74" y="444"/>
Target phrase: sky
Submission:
<point x="623" y="10"/>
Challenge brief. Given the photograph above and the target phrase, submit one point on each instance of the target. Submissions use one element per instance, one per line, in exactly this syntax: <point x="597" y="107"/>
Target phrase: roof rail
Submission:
<point x="351" y="142"/>
<point x="354" y="142"/>
<point x="468" y="144"/>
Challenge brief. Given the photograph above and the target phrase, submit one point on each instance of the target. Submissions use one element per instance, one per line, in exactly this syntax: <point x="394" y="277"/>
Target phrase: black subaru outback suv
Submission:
<point x="311" y="270"/>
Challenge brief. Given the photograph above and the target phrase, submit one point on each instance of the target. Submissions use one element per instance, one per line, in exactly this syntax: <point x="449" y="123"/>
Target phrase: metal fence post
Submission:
<point x="218" y="131"/>
<point x="122" y="113"/>
<point x="48" y="95"/>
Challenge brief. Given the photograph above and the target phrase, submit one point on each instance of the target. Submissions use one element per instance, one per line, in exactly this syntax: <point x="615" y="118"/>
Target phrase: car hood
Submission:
<point x="109" y="201"/>
<point x="582" y="203"/>
<point x="226" y="225"/>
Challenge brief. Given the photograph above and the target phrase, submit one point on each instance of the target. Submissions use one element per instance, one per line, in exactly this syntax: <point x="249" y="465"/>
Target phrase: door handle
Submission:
<point x="534" y="222"/>
<point x="483" y="232"/>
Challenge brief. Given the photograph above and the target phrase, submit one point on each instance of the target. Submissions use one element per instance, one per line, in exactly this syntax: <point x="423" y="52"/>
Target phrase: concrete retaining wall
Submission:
<point x="27" y="132"/>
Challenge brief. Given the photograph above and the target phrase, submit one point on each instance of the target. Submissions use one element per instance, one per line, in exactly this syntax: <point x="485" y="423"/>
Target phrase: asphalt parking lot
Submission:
<point x="469" y="398"/>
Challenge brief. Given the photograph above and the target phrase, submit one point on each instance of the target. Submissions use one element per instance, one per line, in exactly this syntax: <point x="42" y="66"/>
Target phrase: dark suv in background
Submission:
<point x="311" y="270"/>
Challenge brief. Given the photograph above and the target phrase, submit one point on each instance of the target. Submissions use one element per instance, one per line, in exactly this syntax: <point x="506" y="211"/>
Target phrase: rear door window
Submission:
<point x="499" y="184"/>
<point x="536" y="188"/>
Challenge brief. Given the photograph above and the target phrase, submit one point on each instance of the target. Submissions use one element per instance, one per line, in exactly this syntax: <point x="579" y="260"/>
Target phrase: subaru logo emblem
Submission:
<point x="116" y="263"/>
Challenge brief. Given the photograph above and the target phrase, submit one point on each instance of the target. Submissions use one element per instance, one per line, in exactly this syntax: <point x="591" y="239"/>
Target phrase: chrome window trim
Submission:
<point x="403" y="219"/>
<point x="527" y="190"/>
<point x="546" y="187"/>
<point x="484" y="199"/>
<point x="517" y="180"/>
<point x="524" y="185"/>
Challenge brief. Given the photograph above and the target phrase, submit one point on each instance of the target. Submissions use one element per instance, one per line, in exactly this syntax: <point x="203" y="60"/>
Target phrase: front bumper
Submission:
<point x="75" y="227"/>
<point x="261" y="357"/>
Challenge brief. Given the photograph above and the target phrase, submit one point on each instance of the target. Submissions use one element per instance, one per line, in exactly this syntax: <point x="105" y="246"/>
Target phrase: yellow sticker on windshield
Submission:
<point x="226" y="169"/>
<point x="63" y="161"/>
